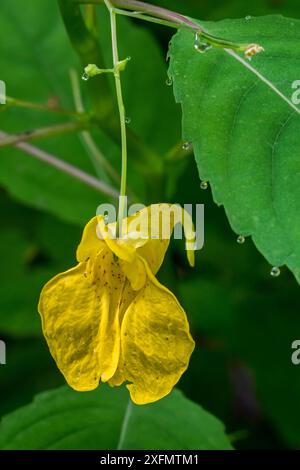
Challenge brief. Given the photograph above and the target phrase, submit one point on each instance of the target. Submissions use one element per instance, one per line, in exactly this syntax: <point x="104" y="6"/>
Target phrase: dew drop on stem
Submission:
<point x="128" y="120"/>
<point x="85" y="76"/>
<point x="201" y="46"/>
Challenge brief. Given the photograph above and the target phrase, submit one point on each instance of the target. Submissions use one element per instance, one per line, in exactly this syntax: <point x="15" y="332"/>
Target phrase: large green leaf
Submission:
<point x="106" y="419"/>
<point x="238" y="9"/>
<point x="245" y="137"/>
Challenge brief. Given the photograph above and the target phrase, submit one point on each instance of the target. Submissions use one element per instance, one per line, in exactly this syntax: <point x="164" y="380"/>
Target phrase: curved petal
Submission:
<point x="156" y="224"/>
<point x="135" y="273"/>
<point x="79" y="310"/>
<point x="90" y="244"/>
<point x="155" y="341"/>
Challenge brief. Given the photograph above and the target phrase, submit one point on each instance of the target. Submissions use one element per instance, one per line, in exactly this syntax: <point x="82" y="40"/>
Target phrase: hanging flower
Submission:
<point x="109" y="319"/>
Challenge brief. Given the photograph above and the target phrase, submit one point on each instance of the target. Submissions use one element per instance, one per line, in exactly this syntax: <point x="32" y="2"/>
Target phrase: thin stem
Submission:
<point x="121" y="107"/>
<point x="88" y="49"/>
<point x="97" y="157"/>
<point x="43" y="133"/>
<point x="42" y="107"/>
<point x="142" y="16"/>
<point x="65" y="167"/>
<point x="148" y="9"/>
<point x="89" y="52"/>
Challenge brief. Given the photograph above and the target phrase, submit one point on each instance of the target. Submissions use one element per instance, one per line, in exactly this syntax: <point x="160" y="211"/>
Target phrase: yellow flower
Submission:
<point x="109" y="319"/>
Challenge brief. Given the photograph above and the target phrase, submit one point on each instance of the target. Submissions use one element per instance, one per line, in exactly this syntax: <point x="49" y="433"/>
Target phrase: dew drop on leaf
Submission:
<point x="169" y="81"/>
<point x="275" y="271"/>
<point x="240" y="239"/>
<point x="204" y="185"/>
<point x="186" y="145"/>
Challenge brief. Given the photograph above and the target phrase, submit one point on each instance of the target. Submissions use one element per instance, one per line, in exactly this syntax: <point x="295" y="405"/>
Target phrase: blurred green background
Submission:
<point x="243" y="321"/>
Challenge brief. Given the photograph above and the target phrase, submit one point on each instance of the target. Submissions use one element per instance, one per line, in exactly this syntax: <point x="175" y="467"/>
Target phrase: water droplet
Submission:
<point x="169" y="81"/>
<point x="128" y="58"/>
<point x="240" y="239"/>
<point x="202" y="48"/>
<point x="186" y="145"/>
<point x="85" y="76"/>
<point x="275" y="271"/>
<point x="128" y="120"/>
<point x="200" y="45"/>
<point x="204" y="185"/>
<point x="248" y="18"/>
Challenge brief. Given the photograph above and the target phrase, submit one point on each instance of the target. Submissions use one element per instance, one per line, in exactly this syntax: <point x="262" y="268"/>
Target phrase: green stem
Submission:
<point x="151" y="10"/>
<point x="64" y="167"/>
<point x="42" y="107"/>
<point x="89" y="51"/>
<point x="117" y="75"/>
<point x="144" y="17"/>
<point x="43" y="133"/>
<point x="98" y="159"/>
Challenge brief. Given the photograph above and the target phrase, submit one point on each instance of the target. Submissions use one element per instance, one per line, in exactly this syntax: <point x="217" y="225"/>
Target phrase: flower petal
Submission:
<point x="90" y="244"/>
<point x="135" y="273"/>
<point x="155" y="341"/>
<point x="79" y="310"/>
<point x="156" y="224"/>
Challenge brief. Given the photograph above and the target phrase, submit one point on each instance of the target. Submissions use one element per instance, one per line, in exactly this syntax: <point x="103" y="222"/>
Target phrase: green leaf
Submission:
<point x="238" y="9"/>
<point x="106" y="419"/>
<point x="245" y="137"/>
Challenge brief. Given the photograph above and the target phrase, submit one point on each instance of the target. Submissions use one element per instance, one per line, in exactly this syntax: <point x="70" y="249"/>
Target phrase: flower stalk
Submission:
<point x="118" y="67"/>
<point x="163" y="16"/>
